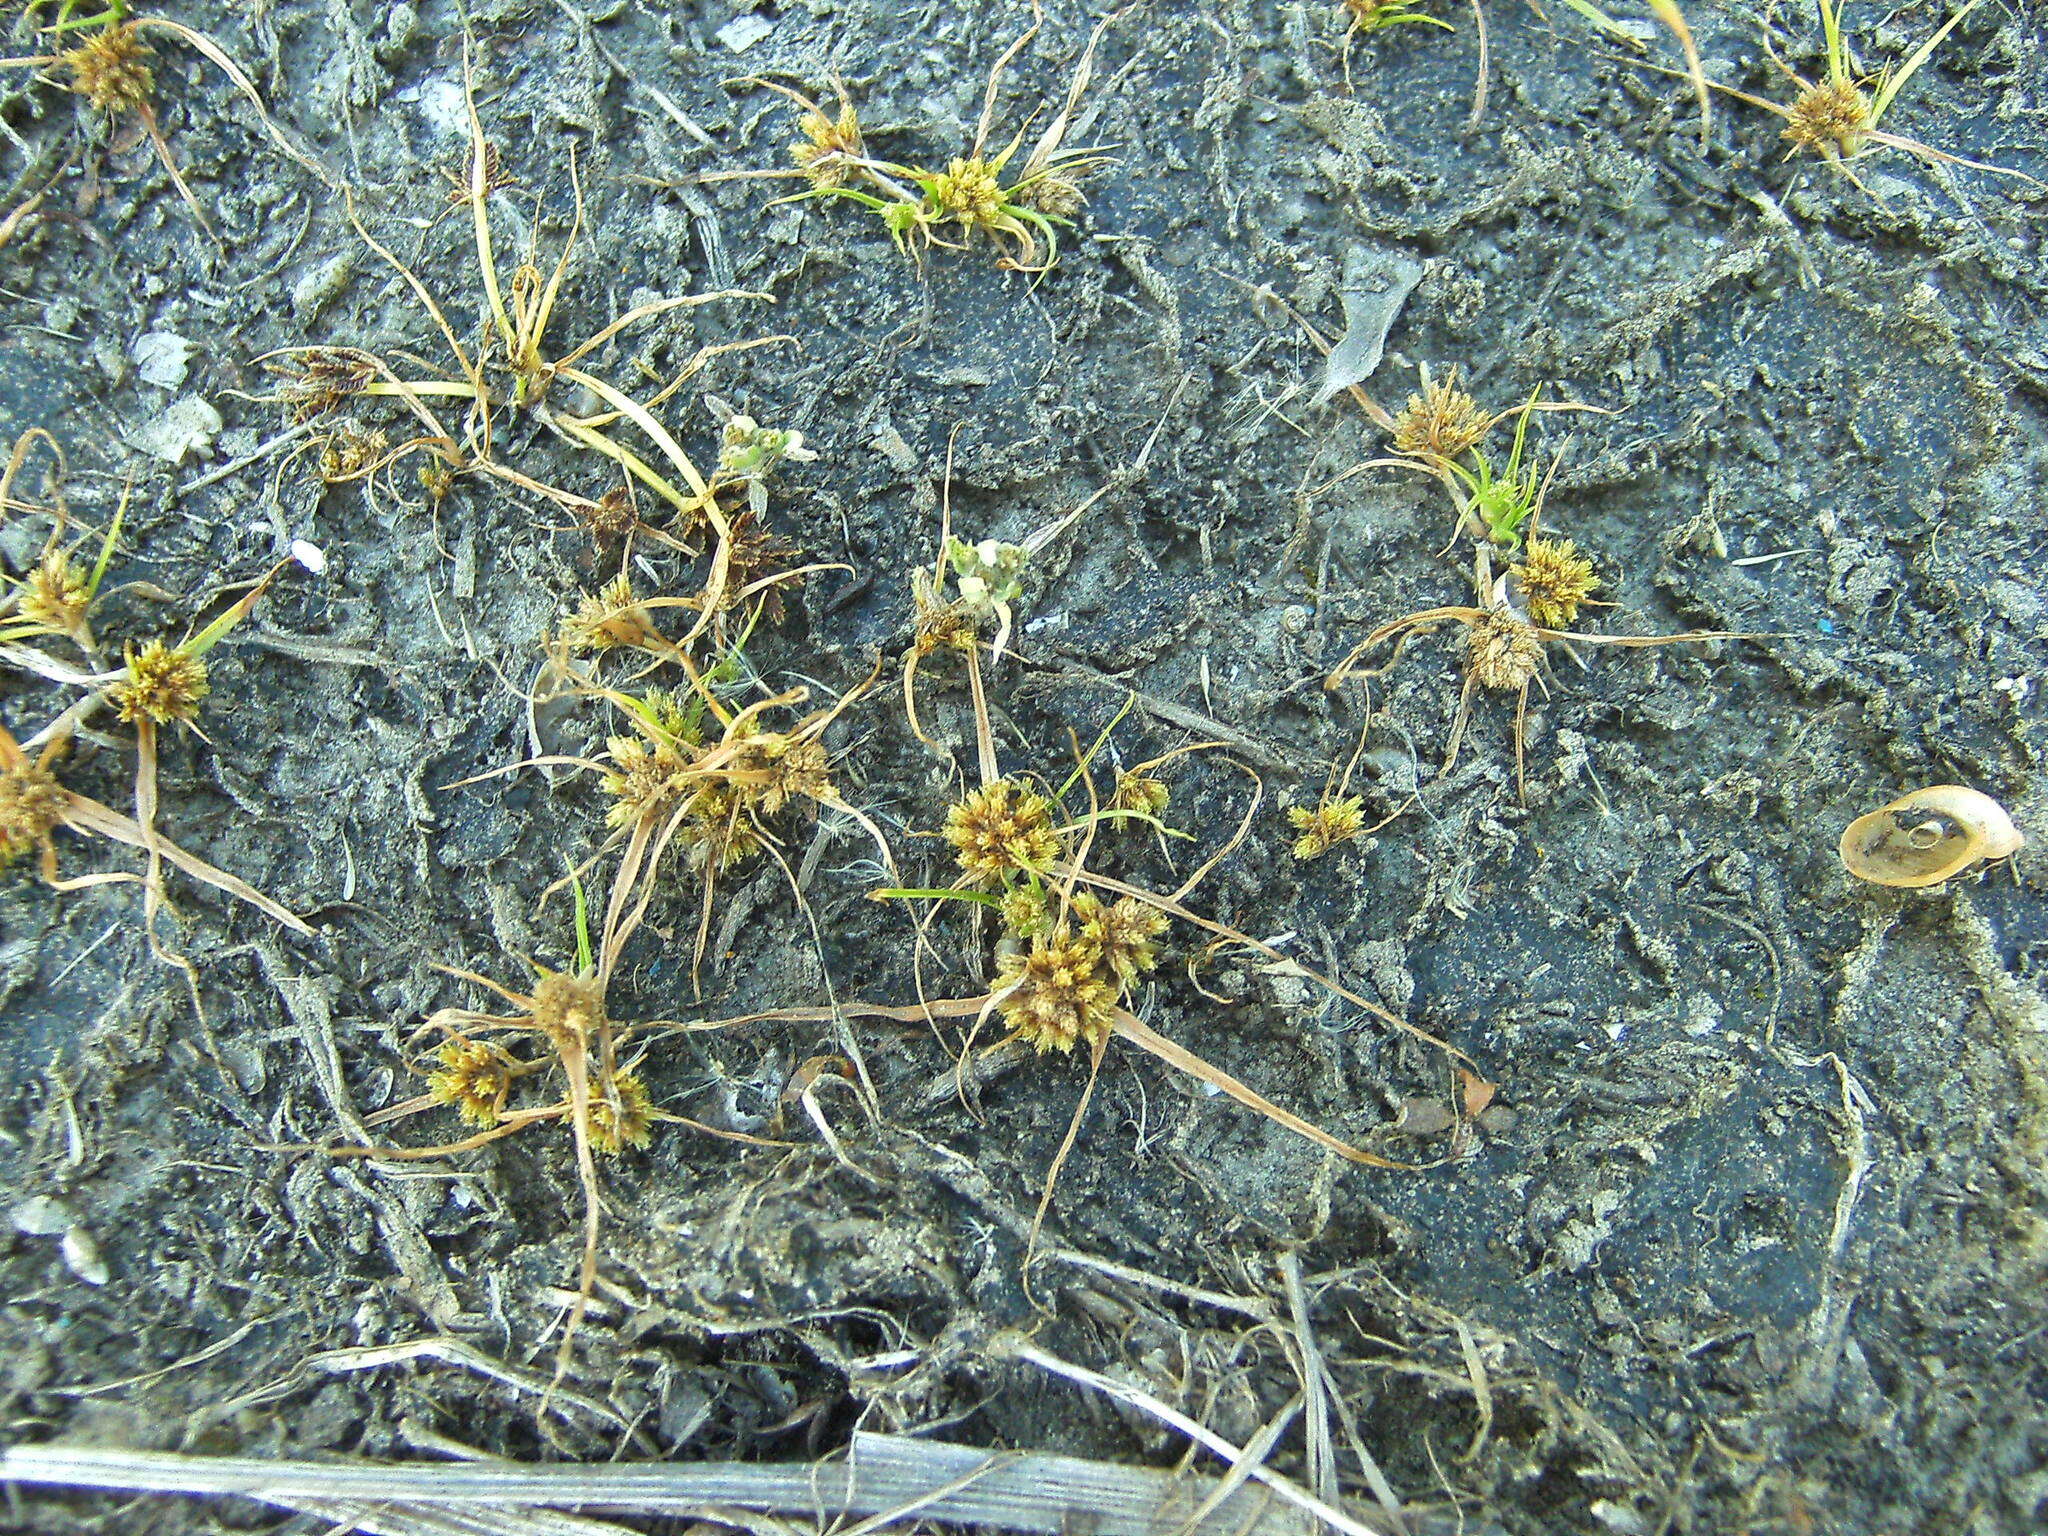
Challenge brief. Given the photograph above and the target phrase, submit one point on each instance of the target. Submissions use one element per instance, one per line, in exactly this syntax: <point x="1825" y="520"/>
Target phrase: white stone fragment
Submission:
<point x="181" y="429"/>
<point x="41" y="1216"/>
<point x="161" y="358"/>
<point x="742" y="32"/>
<point x="82" y="1257"/>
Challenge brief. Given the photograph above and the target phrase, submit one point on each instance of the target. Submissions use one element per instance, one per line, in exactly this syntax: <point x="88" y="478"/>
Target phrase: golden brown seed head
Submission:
<point x="939" y="624"/>
<point x="111" y="71"/>
<point x="56" y="594"/>
<point x="829" y="146"/>
<point x="1831" y="118"/>
<point x="718" y="832"/>
<point x="945" y="626"/>
<point x="161" y="684"/>
<point x="31" y="806"/>
<point x="1554" y="579"/>
<point x="1439" y="423"/>
<point x="1140" y="792"/>
<point x="611" y="619"/>
<point x="437" y="478"/>
<point x="1025" y="913"/>
<point x="322" y="378"/>
<point x="1122" y="933"/>
<point x="568" y="1008"/>
<point x="611" y="516"/>
<point x="622" y="1116"/>
<point x="1060" y="197"/>
<point x="642" y="781"/>
<point x="803" y="769"/>
<point x="754" y="553"/>
<point x="474" y="1078"/>
<point x="1002" y="829"/>
<point x="1323" y="828"/>
<point x="348" y="454"/>
<point x="1058" y="995"/>
<point x="968" y="191"/>
<point x="1502" y="651"/>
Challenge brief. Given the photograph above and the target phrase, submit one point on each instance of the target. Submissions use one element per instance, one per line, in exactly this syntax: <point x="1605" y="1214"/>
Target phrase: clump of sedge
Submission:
<point x="1002" y="831"/>
<point x="1376" y="15"/>
<point x="156" y="686"/>
<point x="1838" y="117"/>
<point x="1327" y="825"/>
<point x="1504" y="640"/>
<point x="1554" y="581"/>
<point x="1017" y="205"/>
<point x="111" y="71"/>
<point x="601" y="1097"/>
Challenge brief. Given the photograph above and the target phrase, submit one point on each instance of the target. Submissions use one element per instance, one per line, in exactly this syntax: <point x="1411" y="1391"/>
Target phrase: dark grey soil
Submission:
<point x="1754" y="1238"/>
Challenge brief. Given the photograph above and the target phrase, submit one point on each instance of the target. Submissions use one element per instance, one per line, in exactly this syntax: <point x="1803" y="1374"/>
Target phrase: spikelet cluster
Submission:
<point x="1002" y="830"/>
<point x="1831" y="118"/>
<point x="1054" y="994"/>
<point x="621" y="1114"/>
<point x="56" y="594"/>
<point x="111" y="71"/>
<point x="1323" y="828"/>
<point x="610" y="619"/>
<point x="161" y="683"/>
<point x="969" y="192"/>
<point x="569" y="1008"/>
<point x="474" y="1079"/>
<point x="1061" y="989"/>
<point x="1140" y="792"/>
<point x="31" y="806"/>
<point x="1502" y="651"/>
<point x="1554" y="580"/>
<point x="830" y="148"/>
<point x="1440" y="423"/>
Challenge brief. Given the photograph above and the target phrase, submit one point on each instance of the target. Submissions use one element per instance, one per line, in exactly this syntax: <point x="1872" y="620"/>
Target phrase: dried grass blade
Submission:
<point x="85" y="815"/>
<point x="1130" y="1027"/>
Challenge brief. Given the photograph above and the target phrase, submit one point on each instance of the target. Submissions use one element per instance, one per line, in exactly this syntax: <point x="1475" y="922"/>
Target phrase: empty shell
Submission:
<point x="1929" y="836"/>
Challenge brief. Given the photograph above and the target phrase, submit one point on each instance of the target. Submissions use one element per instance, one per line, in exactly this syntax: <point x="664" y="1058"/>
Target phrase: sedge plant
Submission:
<point x="553" y="1055"/>
<point x="1016" y="200"/>
<point x="1074" y="946"/>
<point x="1839" y="116"/>
<point x="1515" y="616"/>
<point x="102" y="54"/>
<point x="516" y="368"/>
<point x="154" y="686"/>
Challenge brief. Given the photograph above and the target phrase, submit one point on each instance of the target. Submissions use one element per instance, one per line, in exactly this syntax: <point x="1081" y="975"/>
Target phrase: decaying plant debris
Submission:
<point x="815" y="787"/>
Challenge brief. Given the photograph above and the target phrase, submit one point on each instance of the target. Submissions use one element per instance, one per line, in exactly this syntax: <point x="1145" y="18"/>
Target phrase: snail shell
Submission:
<point x="1928" y="836"/>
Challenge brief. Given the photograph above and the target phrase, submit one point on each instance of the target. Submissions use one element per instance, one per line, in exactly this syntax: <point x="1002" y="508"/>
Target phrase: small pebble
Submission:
<point x="41" y="1216"/>
<point x="1498" y="1120"/>
<point x="82" y="1256"/>
<point x="1424" y="1117"/>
